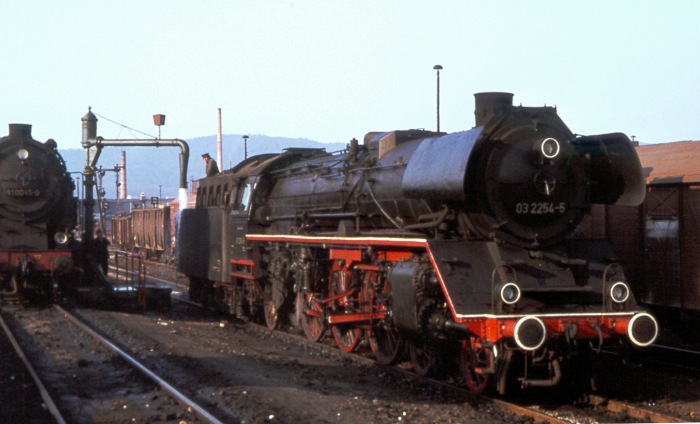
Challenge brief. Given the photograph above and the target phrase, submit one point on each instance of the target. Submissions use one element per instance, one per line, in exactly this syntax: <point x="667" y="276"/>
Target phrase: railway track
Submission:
<point x="24" y="395"/>
<point x="633" y="411"/>
<point x="97" y="383"/>
<point x="261" y="374"/>
<point x="596" y="409"/>
<point x="182" y="399"/>
<point x="326" y="349"/>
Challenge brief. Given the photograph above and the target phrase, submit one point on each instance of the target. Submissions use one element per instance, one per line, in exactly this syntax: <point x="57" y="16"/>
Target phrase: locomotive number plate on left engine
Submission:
<point x="23" y="192"/>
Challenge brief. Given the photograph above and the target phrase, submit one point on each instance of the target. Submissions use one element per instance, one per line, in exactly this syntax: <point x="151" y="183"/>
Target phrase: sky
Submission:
<point x="333" y="70"/>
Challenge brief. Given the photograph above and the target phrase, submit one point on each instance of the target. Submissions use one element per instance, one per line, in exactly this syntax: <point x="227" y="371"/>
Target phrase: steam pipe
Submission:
<point x="556" y="377"/>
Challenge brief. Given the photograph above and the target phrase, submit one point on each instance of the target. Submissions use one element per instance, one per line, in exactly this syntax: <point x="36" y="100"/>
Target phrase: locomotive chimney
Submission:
<point x="20" y="130"/>
<point x="490" y="104"/>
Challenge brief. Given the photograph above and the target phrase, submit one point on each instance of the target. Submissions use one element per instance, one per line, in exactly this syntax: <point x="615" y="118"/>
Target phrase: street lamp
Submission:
<point x="245" y="147"/>
<point x="437" y="69"/>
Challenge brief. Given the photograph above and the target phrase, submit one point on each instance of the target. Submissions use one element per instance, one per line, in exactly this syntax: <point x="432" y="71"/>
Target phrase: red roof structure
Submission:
<point x="671" y="163"/>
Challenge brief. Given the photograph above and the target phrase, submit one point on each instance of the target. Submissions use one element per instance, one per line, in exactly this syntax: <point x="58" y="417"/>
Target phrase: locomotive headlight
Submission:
<point x="60" y="237"/>
<point x="550" y="148"/>
<point x="22" y="154"/>
<point x="509" y="293"/>
<point x="619" y="292"/>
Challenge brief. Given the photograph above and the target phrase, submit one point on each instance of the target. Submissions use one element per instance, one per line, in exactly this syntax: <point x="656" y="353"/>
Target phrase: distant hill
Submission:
<point x="156" y="171"/>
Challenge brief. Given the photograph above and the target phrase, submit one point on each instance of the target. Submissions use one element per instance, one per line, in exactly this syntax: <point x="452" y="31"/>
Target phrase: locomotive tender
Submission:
<point x="37" y="213"/>
<point x="460" y="247"/>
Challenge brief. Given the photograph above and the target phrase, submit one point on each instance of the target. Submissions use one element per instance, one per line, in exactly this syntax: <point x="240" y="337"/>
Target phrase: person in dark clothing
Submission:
<point x="212" y="167"/>
<point x="101" y="251"/>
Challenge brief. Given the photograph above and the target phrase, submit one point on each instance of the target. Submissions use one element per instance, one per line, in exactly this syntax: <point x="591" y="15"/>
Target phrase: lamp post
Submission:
<point x="245" y="147"/>
<point x="437" y="69"/>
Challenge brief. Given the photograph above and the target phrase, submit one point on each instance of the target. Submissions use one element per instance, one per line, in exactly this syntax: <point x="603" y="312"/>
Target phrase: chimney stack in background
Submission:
<point x="219" y="143"/>
<point x="122" y="187"/>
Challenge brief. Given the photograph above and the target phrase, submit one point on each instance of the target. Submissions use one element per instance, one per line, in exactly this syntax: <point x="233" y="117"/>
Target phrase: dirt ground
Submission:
<point x="250" y="375"/>
<point x="247" y="374"/>
<point x="89" y="383"/>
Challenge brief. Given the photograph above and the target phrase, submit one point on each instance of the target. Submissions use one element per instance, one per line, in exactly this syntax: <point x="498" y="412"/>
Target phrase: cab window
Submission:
<point x="245" y="197"/>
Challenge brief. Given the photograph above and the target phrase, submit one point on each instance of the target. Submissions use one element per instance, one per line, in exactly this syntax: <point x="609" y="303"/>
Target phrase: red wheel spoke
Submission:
<point x="475" y="380"/>
<point x="314" y="325"/>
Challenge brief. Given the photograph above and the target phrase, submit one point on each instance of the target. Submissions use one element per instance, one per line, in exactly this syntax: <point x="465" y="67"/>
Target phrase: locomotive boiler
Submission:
<point x="457" y="248"/>
<point x="37" y="213"/>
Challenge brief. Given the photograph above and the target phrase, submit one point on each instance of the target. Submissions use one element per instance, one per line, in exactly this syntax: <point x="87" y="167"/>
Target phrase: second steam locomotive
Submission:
<point x="458" y="248"/>
<point x="37" y="213"/>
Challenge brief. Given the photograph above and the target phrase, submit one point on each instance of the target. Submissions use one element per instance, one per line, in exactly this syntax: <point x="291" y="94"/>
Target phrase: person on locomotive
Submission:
<point x="212" y="167"/>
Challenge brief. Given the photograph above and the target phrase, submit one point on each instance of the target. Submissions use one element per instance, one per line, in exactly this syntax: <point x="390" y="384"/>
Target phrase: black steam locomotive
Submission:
<point x="37" y="213"/>
<point x="459" y="248"/>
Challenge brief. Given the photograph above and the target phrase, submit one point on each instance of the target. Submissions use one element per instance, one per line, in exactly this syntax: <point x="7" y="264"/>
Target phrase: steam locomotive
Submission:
<point x="37" y="213"/>
<point x="460" y="249"/>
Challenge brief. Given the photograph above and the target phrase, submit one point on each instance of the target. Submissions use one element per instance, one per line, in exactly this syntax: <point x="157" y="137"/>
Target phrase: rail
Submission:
<point x="179" y="396"/>
<point x="132" y="273"/>
<point x="45" y="396"/>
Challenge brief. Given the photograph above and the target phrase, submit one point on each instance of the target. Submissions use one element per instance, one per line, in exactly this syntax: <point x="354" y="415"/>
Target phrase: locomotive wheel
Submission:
<point x="384" y="340"/>
<point x="346" y="337"/>
<point x="475" y="380"/>
<point x="424" y="359"/>
<point x="269" y="309"/>
<point x="311" y="316"/>
<point x="386" y="344"/>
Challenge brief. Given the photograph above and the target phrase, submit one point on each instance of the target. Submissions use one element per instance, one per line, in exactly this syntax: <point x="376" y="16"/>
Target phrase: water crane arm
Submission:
<point x="99" y="143"/>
